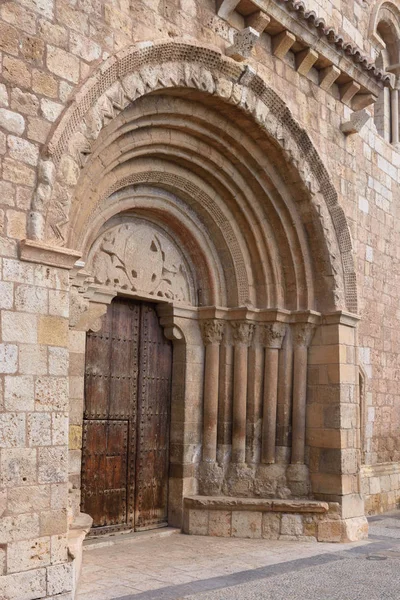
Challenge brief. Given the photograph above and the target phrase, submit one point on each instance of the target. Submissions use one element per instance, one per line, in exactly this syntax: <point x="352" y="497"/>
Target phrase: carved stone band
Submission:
<point x="242" y="332"/>
<point x="303" y="334"/>
<point x="271" y="334"/>
<point x="212" y="331"/>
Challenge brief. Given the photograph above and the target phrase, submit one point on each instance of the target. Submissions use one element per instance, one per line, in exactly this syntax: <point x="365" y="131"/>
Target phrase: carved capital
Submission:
<point x="303" y="334"/>
<point x="272" y="334"/>
<point x="212" y="331"/>
<point x="242" y="332"/>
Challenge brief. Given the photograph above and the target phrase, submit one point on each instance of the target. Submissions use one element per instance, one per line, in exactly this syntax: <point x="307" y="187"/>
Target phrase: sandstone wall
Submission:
<point x="48" y="48"/>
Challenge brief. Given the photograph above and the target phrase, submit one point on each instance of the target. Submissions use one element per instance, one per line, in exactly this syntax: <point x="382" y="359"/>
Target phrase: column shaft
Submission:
<point x="210" y="403"/>
<point x="299" y="404"/>
<point x="394" y="111"/>
<point x="254" y="404"/>
<point x="239" y="404"/>
<point x="270" y="404"/>
<point x="285" y="384"/>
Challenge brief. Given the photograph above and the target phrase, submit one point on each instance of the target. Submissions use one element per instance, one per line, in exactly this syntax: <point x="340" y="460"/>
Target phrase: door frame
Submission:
<point x="181" y="326"/>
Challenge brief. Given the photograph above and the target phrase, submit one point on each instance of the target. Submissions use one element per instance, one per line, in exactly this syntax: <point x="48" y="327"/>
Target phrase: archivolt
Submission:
<point x="275" y="162"/>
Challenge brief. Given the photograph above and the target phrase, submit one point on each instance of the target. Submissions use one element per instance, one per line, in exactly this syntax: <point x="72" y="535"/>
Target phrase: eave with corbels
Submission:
<point x="312" y="46"/>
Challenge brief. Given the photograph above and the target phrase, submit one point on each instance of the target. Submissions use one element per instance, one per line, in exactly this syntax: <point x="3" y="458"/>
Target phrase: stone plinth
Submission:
<point x="274" y="519"/>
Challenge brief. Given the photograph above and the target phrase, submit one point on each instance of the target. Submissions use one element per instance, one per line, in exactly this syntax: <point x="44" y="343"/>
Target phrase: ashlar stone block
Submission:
<point x="29" y="585"/>
<point x="28" y="554"/>
<point x="246" y="524"/>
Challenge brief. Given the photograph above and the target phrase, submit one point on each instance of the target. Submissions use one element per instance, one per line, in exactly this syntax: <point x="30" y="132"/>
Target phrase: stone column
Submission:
<point x="242" y="336"/>
<point x="394" y="111"/>
<point x="302" y="335"/>
<point x="284" y="409"/>
<point x="254" y="399"/>
<point x="272" y="336"/>
<point x="212" y="335"/>
<point x="224" y="439"/>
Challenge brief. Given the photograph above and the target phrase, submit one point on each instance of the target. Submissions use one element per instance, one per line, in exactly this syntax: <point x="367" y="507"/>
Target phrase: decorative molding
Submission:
<point x="45" y="254"/>
<point x="142" y="69"/>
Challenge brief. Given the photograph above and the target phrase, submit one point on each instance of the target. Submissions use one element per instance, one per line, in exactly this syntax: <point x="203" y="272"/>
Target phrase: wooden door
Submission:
<point x="126" y="419"/>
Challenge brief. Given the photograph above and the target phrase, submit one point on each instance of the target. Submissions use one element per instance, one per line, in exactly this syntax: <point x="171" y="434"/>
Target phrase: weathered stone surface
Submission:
<point x="12" y="121"/>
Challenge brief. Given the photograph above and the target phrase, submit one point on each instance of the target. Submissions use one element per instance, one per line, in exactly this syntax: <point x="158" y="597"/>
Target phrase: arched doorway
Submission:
<point x="125" y="452"/>
<point x="211" y="159"/>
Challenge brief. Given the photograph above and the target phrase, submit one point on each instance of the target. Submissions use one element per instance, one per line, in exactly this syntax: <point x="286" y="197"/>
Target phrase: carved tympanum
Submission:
<point x="138" y="257"/>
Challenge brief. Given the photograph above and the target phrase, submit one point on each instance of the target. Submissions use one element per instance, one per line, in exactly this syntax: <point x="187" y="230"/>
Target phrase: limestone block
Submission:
<point x="19" y="527"/>
<point x="51" y="393"/>
<point x="39" y="429"/>
<point x="52" y="463"/>
<point x="330" y="531"/>
<point x="305" y="60"/>
<point x="19" y="327"/>
<point x="59" y="549"/>
<point x="18" y="272"/>
<point x="355" y="529"/>
<point x="24" y="102"/>
<point x="18" y="467"/>
<point x="12" y="430"/>
<point x="357" y="121"/>
<point x="282" y="43"/>
<point x="271" y="523"/>
<point x="53" y="522"/>
<point x="16" y="223"/>
<point x="219" y="524"/>
<point x="58" y="361"/>
<point x="63" y="64"/>
<point x="50" y="110"/>
<point x="12" y="121"/>
<point x="23" y="150"/>
<point x="28" y="499"/>
<point x="8" y="358"/>
<point x="198" y="522"/>
<point x="28" y="554"/>
<point x="18" y="172"/>
<point x="29" y="298"/>
<point x="59" y="493"/>
<point x="75" y="437"/>
<point x="56" y="279"/>
<point x="6" y="291"/>
<point x="77" y="341"/>
<point x="246" y="524"/>
<point x="44" y="84"/>
<point x="292" y="525"/>
<point x="32" y="359"/>
<point x="244" y="42"/>
<point x="59" y="303"/>
<point x="59" y="428"/>
<point x="28" y="585"/>
<point x="59" y="578"/>
<point x="18" y="392"/>
<point x="328" y="76"/>
<point x="52" y="331"/>
<point x="84" y="47"/>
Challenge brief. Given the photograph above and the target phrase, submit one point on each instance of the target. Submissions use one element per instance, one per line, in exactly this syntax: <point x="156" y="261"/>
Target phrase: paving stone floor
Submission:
<point x="167" y="565"/>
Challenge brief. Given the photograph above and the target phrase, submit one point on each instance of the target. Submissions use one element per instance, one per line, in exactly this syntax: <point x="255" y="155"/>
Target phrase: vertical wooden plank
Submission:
<point x="97" y="370"/>
<point x="154" y="395"/>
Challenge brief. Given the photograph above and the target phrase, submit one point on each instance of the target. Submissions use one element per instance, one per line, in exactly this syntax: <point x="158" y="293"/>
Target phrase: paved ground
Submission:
<point x="171" y="566"/>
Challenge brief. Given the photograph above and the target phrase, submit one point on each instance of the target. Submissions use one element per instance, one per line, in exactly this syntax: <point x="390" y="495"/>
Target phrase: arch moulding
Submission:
<point x="145" y="68"/>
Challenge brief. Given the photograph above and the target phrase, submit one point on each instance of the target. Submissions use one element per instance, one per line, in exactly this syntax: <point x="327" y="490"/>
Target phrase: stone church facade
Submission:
<point x="200" y="273"/>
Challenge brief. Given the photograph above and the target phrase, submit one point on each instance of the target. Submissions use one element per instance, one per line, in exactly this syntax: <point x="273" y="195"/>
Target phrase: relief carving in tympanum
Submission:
<point x="139" y="257"/>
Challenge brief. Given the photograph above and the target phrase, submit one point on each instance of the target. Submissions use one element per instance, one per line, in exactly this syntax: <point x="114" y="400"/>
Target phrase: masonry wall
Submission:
<point x="48" y="48"/>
